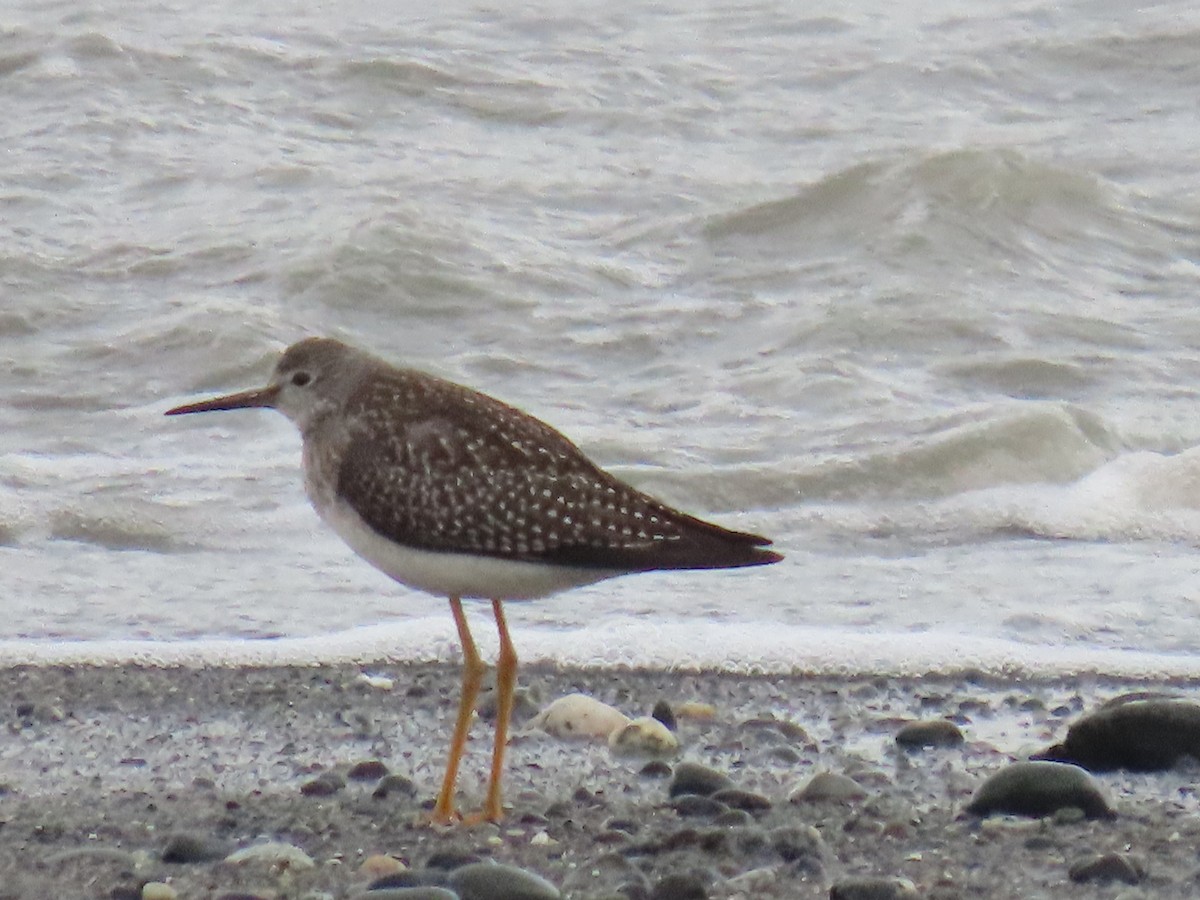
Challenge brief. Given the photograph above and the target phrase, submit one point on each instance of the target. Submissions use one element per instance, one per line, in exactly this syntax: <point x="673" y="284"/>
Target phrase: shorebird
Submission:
<point x="455" y="493"/>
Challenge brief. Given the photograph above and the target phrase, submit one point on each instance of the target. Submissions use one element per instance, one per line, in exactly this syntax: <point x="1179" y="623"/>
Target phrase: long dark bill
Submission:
<point x="241" y="400"/>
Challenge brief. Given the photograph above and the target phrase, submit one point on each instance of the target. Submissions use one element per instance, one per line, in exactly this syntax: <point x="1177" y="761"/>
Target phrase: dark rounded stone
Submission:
<point x="494" y="881"/>
<point x="394" y="784"/>
<point x="663" y="712"/>
<point x="1108" y="867"/>
<point x="736" y="798"/>
<point x="774" y="730"/>
<point x="829" y="787"/>
<point x="693" y="778"/>
<point x="323" y="785"/>
<point x="367" y="770"/>
<point x="1040" y="789"/>
<point x="733" y="818"/>
<point x="873" y="889"/>
<point x="447" y="860"/>
<point x="191" y="848"/>
<point x="695" y="805"/>
<point x="409" y="878"/>
<point x="656" y="768"/>
<point x="800" y="843"/>
<point x="1142" y="735"/>
<point x="679" y="886"/>
<point x="929" y="733"/>
<point x="407" y="893"/>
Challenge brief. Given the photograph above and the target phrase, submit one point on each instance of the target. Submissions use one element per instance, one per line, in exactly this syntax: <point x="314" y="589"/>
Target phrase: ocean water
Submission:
<point x="909" y="287"/>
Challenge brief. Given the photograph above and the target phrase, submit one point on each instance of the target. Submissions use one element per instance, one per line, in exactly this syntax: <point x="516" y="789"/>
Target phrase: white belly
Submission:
<point x="454" y="574"/>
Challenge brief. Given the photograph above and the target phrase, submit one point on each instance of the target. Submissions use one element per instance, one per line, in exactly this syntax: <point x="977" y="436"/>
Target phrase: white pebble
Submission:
<point x="158" y="890"/>
<point x="578" y="715"/>
<point x="272" y="853"/>
<point x="379" y="682"/>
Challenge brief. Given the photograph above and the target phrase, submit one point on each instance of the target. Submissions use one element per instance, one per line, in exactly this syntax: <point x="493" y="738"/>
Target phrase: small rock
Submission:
<point x="696" y="805"/>
<point x="643" y="736"/>
<point x="376" y="682"/>
<point x="407" y="893"/>
<point x="663" y="712"/>
<point x="367" y="770"/>
<point x="1040" y="789"/>
<point x="1142" y="735"/>
<point x="656" y="768"/>
<point x="1108" y="867"/>
<point x="324" y="785"/>
<point x="679" y="886"/>
<point x="696" y="711"/>
<point x="394" y="784"/>
<point x="873" y="889"/>
<point x="191" y="848"/>
<point x="158" y="890"/>
<point x="774" y="730"/>
<point x="495" y="881"/>
<point x="525" y="704"/>
<point x="272" y="853"/>
<point x="377" y="865"/>
<point x="736" y="798"/>
<point x="929" y="733"/>
<point x="578" y="715"/>
<point x="693" y="778"/>
<point x="446" y="861"/>
<point x="829" y="787"/>
<point x="803" y="845"/>
<point x="408" y="878"/>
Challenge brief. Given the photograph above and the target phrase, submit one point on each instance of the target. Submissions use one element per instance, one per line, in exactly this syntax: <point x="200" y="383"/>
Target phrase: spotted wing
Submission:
<point x="451" y="470"/>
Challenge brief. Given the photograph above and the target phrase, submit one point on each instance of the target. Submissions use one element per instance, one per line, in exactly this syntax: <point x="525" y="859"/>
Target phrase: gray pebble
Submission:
<point x="192" y="848"/>
<point x="801" y="845"/>
<point x="873" y="889"/>
<point x="1142" y="735"/>
<point x="736" y="798"/>
<point x="679" y="886"/>
<point x="693" y="778"/>
<point x="733" y="818"/>
<point x="324" y="785"/>
<point x="829" y="787"/>
<point x="367" y="770"/>
<point x="1107" y="867"/>
<point x="1040" y="789"/>
<point x="409" y="878"/>
<point x="407" y="893"/>
<point x="929" y="733"/>
<point x="394" y="784"/>
<point x="494" y="881"/>
<point x="773" y="730"/>
<point x="696" y="806"/>
<point x="663" y="712"/>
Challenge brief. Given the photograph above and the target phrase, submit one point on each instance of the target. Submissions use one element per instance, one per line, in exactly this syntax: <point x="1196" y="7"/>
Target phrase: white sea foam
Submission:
<point x="630" y="643"/>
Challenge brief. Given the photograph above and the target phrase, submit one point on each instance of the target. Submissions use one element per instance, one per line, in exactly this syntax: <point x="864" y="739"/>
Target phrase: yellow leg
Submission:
<point x="506" y="684"/>
<point x="473" y="669"/>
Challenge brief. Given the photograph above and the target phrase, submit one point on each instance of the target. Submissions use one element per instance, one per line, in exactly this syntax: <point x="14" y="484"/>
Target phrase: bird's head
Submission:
<point x="312" y="378"/>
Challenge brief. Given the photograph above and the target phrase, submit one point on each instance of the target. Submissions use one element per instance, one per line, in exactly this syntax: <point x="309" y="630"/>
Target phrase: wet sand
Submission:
<point x="103" y="767"/>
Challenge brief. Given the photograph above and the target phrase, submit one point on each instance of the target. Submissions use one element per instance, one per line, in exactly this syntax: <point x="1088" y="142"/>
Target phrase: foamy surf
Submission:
<point x="639" y="644"/>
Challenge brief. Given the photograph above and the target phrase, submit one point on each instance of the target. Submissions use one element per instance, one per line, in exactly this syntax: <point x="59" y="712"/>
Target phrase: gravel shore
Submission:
<point x="143" y="782"/>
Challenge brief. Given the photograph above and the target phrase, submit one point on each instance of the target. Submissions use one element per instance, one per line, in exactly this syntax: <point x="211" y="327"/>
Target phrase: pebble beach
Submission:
<point x="315" y="782"/>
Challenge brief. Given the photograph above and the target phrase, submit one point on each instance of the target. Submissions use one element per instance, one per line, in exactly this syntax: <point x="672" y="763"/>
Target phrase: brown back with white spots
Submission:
<point x="437" y="466"/>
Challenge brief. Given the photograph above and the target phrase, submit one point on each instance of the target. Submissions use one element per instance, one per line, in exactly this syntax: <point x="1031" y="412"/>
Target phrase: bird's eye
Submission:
<point x="300" y="379"/>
